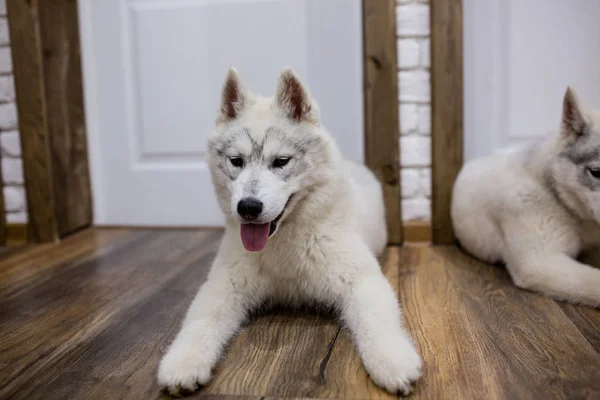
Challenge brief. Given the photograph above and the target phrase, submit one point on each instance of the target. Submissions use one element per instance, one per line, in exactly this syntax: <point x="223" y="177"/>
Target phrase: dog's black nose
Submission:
<point x="249" y="208"/>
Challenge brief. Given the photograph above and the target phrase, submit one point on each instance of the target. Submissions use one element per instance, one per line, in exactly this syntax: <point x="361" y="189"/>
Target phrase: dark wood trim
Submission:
<point x="16" y="234"/>
<point x="447" y="111"/>
<point x="2" y="209"/>
<point x="26" y="46"/>
<point x="417" y="231"/>
<point x="63" y="81"/>
<point x="381" y="106"/>
<point x="46" y="59"/>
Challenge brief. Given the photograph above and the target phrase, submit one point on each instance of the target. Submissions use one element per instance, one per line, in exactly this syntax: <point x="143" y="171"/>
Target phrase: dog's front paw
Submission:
<point x="395" y="368"/>
<point x="183" y="371"/>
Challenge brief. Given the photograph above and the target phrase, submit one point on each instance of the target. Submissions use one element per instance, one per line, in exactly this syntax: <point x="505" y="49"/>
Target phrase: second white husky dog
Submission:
<point x="303" y="226"/>
<point x="536" y="209"/>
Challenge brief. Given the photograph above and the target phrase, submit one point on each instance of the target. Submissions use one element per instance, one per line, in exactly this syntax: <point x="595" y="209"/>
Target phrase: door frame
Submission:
<point x="382" y="128"/>
<point x="46" y="140"/>
<point x="49" y="94"/>
<point x="446" y="21"/>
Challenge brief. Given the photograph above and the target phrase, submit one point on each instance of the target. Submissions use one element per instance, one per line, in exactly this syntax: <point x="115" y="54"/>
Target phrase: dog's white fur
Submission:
<point x="536" y="209"/>
<point x="323" y="251"/>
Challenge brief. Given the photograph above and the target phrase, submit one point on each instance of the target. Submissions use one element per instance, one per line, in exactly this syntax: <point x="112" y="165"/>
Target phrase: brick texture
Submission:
<point x="7" y="88"/>
<point x="412" y="18"/>
<point x="15" y="200"/>
<point x="10" y="142"/>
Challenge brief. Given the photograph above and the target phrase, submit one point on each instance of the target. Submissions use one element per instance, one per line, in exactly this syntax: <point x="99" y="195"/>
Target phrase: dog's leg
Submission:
<point x="214" y="316"/>
<point x="372" y="313"/>
<point x="558" y="276"/>
<point x="539" y="255"/>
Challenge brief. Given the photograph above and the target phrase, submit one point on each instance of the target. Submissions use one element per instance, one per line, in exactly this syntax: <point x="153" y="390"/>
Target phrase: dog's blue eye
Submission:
<point x="281" y="162"/>
<point x="237" y="162"/>
<point x="595" y="172"/>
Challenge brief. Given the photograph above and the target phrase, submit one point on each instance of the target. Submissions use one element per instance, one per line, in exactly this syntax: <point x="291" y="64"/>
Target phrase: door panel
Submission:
<point x="520" y="55"/>
<point x="154" y="70"/>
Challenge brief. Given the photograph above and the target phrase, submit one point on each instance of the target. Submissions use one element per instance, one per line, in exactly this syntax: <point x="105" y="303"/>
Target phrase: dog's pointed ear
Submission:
<point x="234" y="97"/>
<point x="573" y="121"/>
<point x="294" y="98"/>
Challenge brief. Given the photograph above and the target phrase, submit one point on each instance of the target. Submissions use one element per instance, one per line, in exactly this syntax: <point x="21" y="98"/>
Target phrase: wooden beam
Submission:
<point x="417" y="231"/>
<point x="447" y="111"/>
<point x="381" y="106"/>
<point x="66" y="119"/>
<point x="2" y="209"/>
<point x="16" y="234"/>
<point x="46" y="60"/>
<point x="26" y="47"/>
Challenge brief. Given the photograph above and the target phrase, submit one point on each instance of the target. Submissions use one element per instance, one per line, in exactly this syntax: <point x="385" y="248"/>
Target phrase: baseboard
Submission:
<point x="414" y="232"/>
<point x="16" y="234"/>
<point x="417" y="231"/>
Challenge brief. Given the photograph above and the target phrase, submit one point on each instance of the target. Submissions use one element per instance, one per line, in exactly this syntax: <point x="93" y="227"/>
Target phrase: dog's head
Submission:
<point x="266" y="153"/>
<point x="576" y="171"/>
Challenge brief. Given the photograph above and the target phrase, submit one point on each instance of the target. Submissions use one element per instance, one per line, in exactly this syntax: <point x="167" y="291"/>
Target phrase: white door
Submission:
<point x="520" y="55"/>
<point x="153" y="71"/>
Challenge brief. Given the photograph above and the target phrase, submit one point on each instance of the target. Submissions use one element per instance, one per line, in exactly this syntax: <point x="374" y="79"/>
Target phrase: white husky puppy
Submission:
<point x="538" y="208"/>
<point x="303" y="226"/>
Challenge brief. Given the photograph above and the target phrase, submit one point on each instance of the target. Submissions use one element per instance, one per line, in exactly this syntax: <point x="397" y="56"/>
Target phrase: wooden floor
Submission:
<point x="89" y="319"/>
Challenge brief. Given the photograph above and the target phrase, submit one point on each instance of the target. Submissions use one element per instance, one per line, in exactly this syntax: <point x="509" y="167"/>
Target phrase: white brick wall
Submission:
<point x="412" y="17"/>
<point x="15" y="203"/>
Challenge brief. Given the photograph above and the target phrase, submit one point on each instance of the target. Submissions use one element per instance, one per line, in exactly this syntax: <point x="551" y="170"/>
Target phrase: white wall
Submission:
<point x="415" y="108"/>
<point x="519" y="57"/>
<point x="12" y="165"/>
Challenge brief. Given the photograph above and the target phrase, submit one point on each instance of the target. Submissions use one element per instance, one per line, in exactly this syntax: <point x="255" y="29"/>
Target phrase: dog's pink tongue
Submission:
<point x="255" y="236"/>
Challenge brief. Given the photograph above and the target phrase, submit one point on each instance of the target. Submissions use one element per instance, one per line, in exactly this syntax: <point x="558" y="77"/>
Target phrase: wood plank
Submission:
<point x="447" y="112"/>
<point x="278" y="355"/>
<point x="417" y="231"/>
<point x="348" y="376"/>
<point x="478" y="333"/>
<point x="8" y="251"/>
<point x="298" y="354"/>
<point x="26" y="47"/>
<point x="59" y="30"/>
<point x="48" y="82"/>
<point x="587" y="320"/>
<point x="35" y="263"/>
<point x="91" y="318"/>
<point x="381" y="106"/>
<point x="16" y="234"/>
<point x="105" y="321"/>
<point x="228" y="397"/>
<point x="2" y="210"/>
<point x="31" y="329"/>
